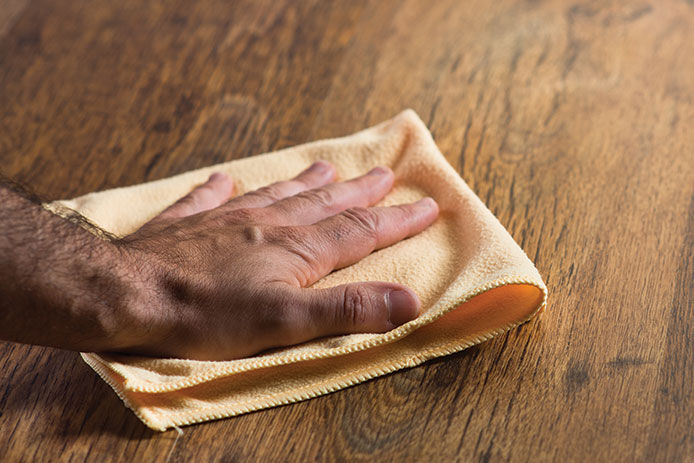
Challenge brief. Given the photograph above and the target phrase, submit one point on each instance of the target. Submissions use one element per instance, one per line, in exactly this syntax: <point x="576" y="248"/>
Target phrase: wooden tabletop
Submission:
<point x="571" y="120"/>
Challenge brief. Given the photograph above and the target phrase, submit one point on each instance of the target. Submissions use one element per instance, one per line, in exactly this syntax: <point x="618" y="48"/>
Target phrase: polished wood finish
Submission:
<point x="571" y="120"/>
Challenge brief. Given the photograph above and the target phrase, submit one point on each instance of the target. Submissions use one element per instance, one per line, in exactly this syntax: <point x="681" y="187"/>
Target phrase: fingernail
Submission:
<point x="378" y="171"/>
<point x="402" y="307"/>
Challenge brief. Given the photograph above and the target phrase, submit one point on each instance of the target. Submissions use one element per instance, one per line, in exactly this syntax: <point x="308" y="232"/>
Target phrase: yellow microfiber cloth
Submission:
<point x="473" y="280"/>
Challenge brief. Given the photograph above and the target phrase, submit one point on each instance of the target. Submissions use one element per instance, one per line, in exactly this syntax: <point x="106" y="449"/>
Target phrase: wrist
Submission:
<point x="135" y="314"/>
<point x="149" y="313"/>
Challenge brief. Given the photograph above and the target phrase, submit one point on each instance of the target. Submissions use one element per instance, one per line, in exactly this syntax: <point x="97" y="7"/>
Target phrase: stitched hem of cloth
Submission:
<point x="161" y="421"/>
<point x="223" y="370"/>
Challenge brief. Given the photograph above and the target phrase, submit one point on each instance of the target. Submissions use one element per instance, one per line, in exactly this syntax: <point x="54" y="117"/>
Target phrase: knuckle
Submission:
<point x="294" y="240"/>
<point x="363" y="219"/>
<point x="320" y="196"/>
<point x="356" y="306"/>
<point x="270" y="192"/>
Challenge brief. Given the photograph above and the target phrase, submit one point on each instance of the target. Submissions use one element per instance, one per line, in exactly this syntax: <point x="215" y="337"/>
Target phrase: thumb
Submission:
<point x="358" y="308"/>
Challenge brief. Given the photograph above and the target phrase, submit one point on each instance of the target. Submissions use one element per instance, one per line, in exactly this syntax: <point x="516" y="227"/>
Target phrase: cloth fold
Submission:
<point x="473" y="280"/>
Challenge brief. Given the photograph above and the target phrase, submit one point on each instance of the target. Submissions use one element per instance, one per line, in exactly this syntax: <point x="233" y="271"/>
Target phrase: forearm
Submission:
<point x="60" y="285"/>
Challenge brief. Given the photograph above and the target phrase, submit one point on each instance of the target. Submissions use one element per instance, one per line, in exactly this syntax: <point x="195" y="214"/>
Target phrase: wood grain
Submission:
<point x="571" y="120"/>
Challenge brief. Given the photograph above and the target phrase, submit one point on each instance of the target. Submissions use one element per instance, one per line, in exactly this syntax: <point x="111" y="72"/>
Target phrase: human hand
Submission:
<point x="228" y="278"/>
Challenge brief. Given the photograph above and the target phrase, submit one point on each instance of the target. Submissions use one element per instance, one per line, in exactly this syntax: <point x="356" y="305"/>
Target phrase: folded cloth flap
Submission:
<point x="472" y="278"/>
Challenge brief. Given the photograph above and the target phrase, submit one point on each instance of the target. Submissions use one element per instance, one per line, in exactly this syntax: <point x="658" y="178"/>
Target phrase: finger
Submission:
<point x="214" y="192"/>
<point x="313" y="205"/>
<point x="374" y="307"/>
<point x="346" y="238"/>
<point x="317" y="175"/>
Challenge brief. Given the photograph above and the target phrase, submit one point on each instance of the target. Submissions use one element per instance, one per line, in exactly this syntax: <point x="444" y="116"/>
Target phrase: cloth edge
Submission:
<point x="162" y="422"/>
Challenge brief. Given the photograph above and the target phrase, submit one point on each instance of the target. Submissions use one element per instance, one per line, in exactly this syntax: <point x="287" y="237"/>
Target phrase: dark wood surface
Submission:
<point x="571" y="120"/>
